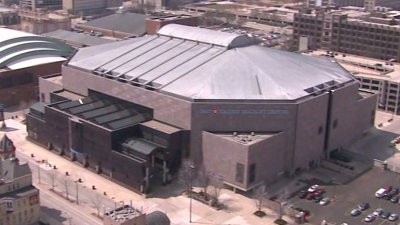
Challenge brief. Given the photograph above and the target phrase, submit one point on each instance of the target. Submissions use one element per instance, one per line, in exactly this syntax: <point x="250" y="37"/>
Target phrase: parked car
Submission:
<point x="313" y="188"/>
<point x="381" y="192"/>
<point x="317" y="199"/>
<point x="355" y="212"/>
<point x="303" y="194"/>
<point x="395" y="199"/>
<point x="378" y="212"/>
<point x="393" y="217"/>
<point x="363" y="206"/>
<point x="385" y="214"/>
<point x="389" y="195"/>
<point x="325" y="201"/>
<point x="370" y="218"/>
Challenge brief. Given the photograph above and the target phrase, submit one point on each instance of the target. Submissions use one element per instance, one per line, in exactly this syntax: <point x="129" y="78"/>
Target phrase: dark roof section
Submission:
<point x="6" y="145"/>
<point x="140" y="145"/>
<point x="157" y="218"/>
<point x="11" y="169"/>
<point x="75" y="38"/>
<point x="130" y="23"/>
<point x="106" y="112"/>
<point x="25" y="191"/>
<point x="38" y="106"/>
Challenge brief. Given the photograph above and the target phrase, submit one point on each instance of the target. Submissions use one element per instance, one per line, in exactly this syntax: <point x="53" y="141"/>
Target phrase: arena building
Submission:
<point x="134" y="109"/>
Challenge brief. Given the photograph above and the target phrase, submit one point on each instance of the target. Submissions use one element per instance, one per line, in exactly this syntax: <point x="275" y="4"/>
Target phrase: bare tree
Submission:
<point x="260" y="195"/>
<point x="53" y="177"/>
<point x="203" y="178"/>
<point x="186" y="175"/>
<point x="217" y="182"/>
<point x="282" y="198"/>
<point x="97" y="201"/>
<point x="66" y="182"/>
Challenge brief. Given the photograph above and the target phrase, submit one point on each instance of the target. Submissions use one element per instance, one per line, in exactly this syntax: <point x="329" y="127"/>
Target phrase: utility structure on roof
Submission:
<point x="249" y="113"/>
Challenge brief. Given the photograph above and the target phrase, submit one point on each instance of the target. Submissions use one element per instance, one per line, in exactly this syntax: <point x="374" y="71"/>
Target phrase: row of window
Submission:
<point x="15" y="80"/>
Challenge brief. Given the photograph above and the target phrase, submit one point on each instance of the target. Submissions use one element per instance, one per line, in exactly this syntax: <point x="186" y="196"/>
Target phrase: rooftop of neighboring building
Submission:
<point x="161" y="126"/>
<point x="11" y="169"/>
<point x="202" y="64"/>
<point x="364" y="66"/>
<point x="4" y="9"/>
<point x="74" y="38"/>
<point x="122" y="214"/>
<point x="125" y="22"/>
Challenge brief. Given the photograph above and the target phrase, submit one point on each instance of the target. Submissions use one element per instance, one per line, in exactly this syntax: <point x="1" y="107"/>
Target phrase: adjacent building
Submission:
<point x="41" y="4"/>
<point x="127" y="215"/>
<point x="88" y="7"/>
<point x="134" y="109"/>
<point x="350" y="31"/>
<point x="9" y="17"/>
<point x="23" y="58"/>
<point x="39" y="22"/>
<point x="118" y="25"/>
<point x="19" y="200"/>
<point x="377" y="76"/>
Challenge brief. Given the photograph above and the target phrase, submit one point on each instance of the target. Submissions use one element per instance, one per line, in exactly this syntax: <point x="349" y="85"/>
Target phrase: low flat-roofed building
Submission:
<point x="76" y="40"/>
<point x="118" y="25"/>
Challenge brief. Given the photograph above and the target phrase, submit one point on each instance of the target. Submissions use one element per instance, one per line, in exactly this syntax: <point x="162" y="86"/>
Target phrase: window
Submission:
<point x="239" y="172"/>
<point x="252" y="173"/>
<point x="335" y="123"/>
<point x="320" y="129"/>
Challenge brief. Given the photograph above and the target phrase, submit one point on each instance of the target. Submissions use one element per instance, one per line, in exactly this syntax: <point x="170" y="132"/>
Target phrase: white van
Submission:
<point x="380" y="193"/>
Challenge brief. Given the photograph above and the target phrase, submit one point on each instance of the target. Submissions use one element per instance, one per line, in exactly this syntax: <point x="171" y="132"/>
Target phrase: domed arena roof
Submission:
<point x="157" y="218"/>
<point x="201" y="64"/>
<point x="19" y="49"/>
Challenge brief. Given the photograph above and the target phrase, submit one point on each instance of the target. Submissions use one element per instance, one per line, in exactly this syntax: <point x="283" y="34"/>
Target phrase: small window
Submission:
<point x="239" y="172"/>
<point x="252" y="173"/>
<point x="320" y="129"/>
<point x="335" y="123"/>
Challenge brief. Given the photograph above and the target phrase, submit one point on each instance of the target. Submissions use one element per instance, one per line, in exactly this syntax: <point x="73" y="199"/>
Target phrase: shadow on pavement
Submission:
<point x="375" y="144"/>
<point x="8" y="129"/>
<point x="51" y="216"/>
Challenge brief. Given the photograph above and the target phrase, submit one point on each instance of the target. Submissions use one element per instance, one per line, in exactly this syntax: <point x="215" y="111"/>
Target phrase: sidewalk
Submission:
<point x="239" y="208"/>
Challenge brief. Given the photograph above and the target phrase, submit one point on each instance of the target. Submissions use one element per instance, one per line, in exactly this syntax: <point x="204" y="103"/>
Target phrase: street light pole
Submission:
<point x="38" y="173"/>
<point x="191" y="187"/>
<point x="76" y="185"/>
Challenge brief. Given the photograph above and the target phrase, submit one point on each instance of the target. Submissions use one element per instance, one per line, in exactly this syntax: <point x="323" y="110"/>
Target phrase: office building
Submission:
<point x="89" y="7"/>
<point x="41" y="4"/>
<point x="350" y="31"/>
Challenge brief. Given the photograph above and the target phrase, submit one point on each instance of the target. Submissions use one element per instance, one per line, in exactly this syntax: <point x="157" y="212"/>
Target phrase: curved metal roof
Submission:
<point x="204" y="71"/>
<point x="203" y="35"/>
<point x="157" y="218"/>
<point x="17" y="46"/>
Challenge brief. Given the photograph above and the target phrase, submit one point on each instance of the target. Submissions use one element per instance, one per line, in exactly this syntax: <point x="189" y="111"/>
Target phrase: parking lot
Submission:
<point x="344" y="198"/>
